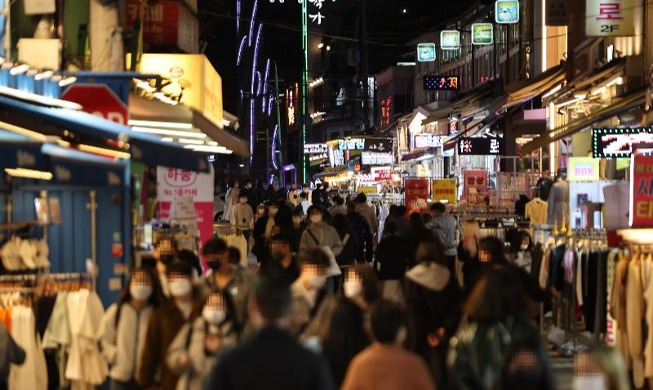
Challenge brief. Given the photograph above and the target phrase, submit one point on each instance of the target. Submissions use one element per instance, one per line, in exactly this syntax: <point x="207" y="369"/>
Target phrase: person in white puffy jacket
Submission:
<point x="123" y="327"/>
<point x="193" y="352"/>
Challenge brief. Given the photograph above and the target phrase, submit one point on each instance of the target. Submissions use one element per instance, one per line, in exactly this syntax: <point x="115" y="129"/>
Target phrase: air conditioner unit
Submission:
<point x="40" y="53"/>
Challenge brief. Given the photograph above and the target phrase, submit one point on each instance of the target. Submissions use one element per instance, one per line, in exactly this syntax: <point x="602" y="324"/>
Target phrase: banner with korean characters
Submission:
<point x="416" y="195"/>
<point x="475" y="182"/>
<point x="444" y="190"/>
<point x="641" y="192"/>
<point x="613" y="18"/>
<point x="176" y="188"/>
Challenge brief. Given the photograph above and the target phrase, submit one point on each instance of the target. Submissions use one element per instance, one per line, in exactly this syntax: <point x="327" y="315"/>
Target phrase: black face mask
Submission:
<point x="214" y="264"/>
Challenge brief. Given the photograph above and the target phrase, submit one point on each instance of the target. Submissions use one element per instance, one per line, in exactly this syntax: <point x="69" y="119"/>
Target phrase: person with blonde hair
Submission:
<point x="468" y="250"/>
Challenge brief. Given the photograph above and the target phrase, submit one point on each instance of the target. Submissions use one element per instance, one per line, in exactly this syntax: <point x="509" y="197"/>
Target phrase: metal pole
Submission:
<point x="93" y="211"/>
<point x="304" y="88"/>
<point x="279" y="134"/>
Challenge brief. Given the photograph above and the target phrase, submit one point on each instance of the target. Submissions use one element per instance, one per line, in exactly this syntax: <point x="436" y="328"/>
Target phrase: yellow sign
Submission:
<point x="583" y="169"/>
<point x="194" y="75"/>
<point x="368" y="189"/>
<point x="444" y="190"/>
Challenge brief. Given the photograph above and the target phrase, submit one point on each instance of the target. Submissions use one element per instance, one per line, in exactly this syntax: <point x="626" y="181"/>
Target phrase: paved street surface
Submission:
<point x="563" y="369"/>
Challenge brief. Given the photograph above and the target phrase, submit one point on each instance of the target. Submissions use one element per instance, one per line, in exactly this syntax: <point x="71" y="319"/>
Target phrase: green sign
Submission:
<point x="450" y="40"/>
<point x="482" y="34"/>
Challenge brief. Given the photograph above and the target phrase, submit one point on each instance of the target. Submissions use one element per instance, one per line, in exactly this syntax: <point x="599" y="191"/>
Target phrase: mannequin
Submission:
<point x="558" y="202"/>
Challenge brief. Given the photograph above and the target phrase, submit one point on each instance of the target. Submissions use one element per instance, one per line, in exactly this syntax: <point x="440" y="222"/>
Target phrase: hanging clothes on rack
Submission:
<point x="536" y="211"/>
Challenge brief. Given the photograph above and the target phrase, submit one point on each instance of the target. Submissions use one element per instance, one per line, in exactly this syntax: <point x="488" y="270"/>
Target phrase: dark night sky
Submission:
<point x="389" y="30"/>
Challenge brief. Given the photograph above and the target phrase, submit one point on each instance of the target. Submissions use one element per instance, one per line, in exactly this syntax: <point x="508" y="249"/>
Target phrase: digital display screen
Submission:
<point x="440" y="83"/>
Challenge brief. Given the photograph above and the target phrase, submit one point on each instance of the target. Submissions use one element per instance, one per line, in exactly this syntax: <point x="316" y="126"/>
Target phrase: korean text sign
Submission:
<point x="416" y="194"/>
<point x="641" y="192"/>
<point x="610" y="17"/>
<point x="444" y="189"/>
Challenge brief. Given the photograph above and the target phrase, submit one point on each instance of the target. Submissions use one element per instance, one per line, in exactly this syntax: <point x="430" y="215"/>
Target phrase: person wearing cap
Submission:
<point x="165" y="322"/>
<point x="224" y="276"/>
<point x="242" y="217"/>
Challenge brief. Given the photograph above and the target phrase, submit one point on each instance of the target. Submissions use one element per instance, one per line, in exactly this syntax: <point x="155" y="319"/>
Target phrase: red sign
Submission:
<point x="416" y="195"/>
<point x="641" y="191"/>
<point x="165" y="24"/>
<point x="476" y="179"/>
<point x="98" y="99"/>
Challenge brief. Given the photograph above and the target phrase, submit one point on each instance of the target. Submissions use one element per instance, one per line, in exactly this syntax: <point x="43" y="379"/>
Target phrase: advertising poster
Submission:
<point x="416" y="195"/>
<point x="583" y="169"/>
<point x="475" y="182"/>
<point x="176" y="188"/>
<point x="450" y="40"/>
<point x="444" y="190"/>
<point x="425" y="52"/>
<point x="641" y="192"/>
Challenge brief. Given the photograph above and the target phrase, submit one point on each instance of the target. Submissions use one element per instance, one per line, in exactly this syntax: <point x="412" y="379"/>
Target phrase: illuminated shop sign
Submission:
<point x="620" y="143"/>
<point x="610" y="17"/>
<point x="426" y="52"/>
<point x="435" y="83"/>
<point x="367" y="144"/>
<point x="506" y="11"/>
<point x="450" y="40"/>
<point x="316" y="148"/>
<point x="482" y="34"/>
<point x="371" y="158"/>
<point x="473" y="146"/>
<point x="428" y="141"/>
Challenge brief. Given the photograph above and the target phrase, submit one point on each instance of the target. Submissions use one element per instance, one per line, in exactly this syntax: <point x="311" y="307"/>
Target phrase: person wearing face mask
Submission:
<point x="400" y="369"/>
<point x="226" y="277"/>
<point x="194" y="350"/>
<point x="319" y="234"/>
<point x="124" y="325"/>
<point x="284" y="265"/>
<point x="242" y="217"/>
<point x="349" y="331"/>
<point x="165" y="250"/>
<point x="165" y="322"/>
<point x="312" y="304"/>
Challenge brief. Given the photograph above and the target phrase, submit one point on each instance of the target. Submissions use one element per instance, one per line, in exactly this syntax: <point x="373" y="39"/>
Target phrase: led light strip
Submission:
<point x="29" y="173"/>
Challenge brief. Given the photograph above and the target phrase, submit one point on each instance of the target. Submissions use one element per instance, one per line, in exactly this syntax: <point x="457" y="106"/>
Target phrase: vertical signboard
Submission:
<point x="641" y="192"/>
<point x="416" y="195"/>
<point x="174" y="186"/>
<point x="610" y="18"/>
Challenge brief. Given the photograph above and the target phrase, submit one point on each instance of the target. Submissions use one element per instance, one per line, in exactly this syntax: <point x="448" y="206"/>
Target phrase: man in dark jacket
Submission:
<point x="284" y="264"/>
<point x="364" y="234"/>
<point x="272" y="359"/>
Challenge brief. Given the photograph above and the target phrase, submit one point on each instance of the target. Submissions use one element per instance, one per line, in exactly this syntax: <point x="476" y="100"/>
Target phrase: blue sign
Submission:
<point x="506" y="11"/>
<point x="426" y="52"/>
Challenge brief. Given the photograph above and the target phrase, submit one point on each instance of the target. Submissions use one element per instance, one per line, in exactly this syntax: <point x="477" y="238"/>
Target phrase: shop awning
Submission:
<point x="621" y="105"/>
<point x="221" y="136"/>
<point x="440" y="114"/>
<point x="541" y="84"/>
<point x="475" y="129"/>
<point x="154" y="111"/>
<point x="90" y="129"/>
<point x="68" y="166"/>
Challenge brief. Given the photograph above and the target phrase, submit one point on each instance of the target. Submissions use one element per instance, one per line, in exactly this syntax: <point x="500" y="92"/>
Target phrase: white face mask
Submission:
<point x="524" y="247"/>
<point x="180" y="287"/>
<point x="317" y="281"/>
<point x="352" y="288"/>
<point x="140" y="292"/>
<point x="273" y="211"/>
<point x="589" y="381"/>
<point x="316" y="218"/>
<point x="213" y="316"/>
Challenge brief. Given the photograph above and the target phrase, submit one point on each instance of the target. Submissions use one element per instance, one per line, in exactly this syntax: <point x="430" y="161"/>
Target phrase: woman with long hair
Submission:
<point x="349" y="332"/>
<point x="497" y="347"/>
<point x="124" y="325"/>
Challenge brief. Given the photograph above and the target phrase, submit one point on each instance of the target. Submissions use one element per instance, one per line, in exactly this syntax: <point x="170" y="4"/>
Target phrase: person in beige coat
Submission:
<point x="194" y="350"/>
<point x="385" y="365"/>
